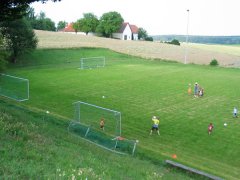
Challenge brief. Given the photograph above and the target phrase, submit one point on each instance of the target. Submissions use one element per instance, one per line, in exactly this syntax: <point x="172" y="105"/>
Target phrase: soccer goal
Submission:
<point x="13" y="87"/>
<point x="91" y="115"/>
<point x="92" y="62"/>
<point x="100" y="126"/>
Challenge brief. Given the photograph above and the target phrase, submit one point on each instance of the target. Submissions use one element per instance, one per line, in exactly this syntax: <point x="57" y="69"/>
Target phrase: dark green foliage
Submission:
<point x="19" y="37"/>
<point x="3" y="55"/>
<point x="142" y="34"/>
<point x="214" y="62"/>
<point x="109" y="23"/>
<point x="41" y="22"/>
<point x="15" y="9"/>
<point x="3" y="61"/>
<point x="61" y="25"/>
<point x="174" y="42"/>
<point x="148" y="39"/>
<point x="87" y="24"/>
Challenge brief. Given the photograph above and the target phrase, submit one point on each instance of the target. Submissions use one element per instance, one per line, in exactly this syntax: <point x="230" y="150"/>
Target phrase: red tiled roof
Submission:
<point x="69" y="28"/>
<point x="123" y="26"/>
<point x="134" y="29"/>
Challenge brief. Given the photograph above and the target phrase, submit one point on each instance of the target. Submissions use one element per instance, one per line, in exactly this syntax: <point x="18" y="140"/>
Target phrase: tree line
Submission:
<point x="199" y="39"/>
<point x="16" y="32"/>
<point x="18" y="19"/>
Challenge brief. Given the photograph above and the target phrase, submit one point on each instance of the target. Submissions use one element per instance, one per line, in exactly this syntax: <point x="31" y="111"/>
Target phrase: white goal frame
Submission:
<point x="78" y="114"/>
<point x="22" y="79"/>
<point x="100" y="59"/>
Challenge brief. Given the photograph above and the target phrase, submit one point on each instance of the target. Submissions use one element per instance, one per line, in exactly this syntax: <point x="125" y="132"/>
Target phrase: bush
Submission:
<point x="175" y="42"/>
<point x="148" y="39"/>
<point x="214" y="62"/>
<point x="3" y="62"/>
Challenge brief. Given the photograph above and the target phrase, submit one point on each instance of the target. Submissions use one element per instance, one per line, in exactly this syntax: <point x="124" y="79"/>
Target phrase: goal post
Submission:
<point x="92" y="62"/>
<point x="87" y="125"/>
<point x="91" y="115"/>
<point x="13" y="87"/>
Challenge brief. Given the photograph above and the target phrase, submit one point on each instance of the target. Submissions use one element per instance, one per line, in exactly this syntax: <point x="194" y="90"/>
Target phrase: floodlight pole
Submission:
<point x="186" y="49"/>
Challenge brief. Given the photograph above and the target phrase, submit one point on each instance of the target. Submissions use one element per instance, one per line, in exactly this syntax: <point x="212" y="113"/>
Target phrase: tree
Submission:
<point x="174" y="42"/>
<point x="18" y="37"/>
<point x="88" y="23"/>
<point x="3" y="58"/>
<point x="214" y="62"/>
<point x="61" y="25"/>
<point x="16" y="9"/>
<point x="109" y="23"/>
<point x="142" y="34"/>
<point x="41" y="22"/>
<point x="76" y="26"/>
<point x="148" y="38"/>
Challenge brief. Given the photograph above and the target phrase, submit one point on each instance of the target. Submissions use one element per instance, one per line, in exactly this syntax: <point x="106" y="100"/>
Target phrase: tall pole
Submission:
<point x="186" y="49"/>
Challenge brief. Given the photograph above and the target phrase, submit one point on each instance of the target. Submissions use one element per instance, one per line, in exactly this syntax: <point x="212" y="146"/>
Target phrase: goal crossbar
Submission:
<point x="92" y="62"/>
<point x="14" y="94"/>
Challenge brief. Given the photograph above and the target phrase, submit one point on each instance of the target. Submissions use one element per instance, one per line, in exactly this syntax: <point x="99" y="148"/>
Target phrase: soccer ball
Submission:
<point x="137" y="141"/>
<point x="47" y="112"/>
<point x="225" y="124"/>
<point x="103" y="96"/>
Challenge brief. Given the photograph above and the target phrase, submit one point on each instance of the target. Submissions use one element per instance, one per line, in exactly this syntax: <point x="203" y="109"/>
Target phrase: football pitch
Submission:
<point x="139" y="89"/>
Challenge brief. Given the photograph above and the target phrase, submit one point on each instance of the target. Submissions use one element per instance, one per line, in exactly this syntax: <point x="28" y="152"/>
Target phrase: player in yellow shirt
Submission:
<point x="155" y="125"/>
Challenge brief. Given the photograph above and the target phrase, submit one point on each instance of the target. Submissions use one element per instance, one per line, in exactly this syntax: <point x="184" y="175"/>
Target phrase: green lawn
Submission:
<point x="140" y="89"/>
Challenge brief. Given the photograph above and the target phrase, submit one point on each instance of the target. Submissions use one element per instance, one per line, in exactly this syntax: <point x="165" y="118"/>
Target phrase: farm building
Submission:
<point x="68" y="28"/>
<point x="126" y="32"/>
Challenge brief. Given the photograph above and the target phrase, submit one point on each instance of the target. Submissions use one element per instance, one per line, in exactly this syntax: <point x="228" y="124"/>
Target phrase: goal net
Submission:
<point x="88" y="125"/>
<point x="92" y="115"/>
<point x="13" y="87"/>
<point x="92" y="62"/>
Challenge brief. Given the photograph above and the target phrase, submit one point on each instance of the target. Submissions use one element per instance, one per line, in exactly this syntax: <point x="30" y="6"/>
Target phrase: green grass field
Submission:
<point x="139" y="89"/>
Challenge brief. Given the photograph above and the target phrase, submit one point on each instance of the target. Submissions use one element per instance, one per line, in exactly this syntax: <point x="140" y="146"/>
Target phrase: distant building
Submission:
<point x="69" y="29"/>
<point x="126" y="32"/>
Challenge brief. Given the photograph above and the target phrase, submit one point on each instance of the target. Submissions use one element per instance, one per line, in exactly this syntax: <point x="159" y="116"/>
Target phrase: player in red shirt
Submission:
<point x="210" y="128"/>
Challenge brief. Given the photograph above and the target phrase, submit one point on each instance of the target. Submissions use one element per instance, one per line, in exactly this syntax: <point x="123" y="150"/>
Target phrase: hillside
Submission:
<point x="139" y="89"/>
<point x="200" y="39"/>
<point x="150" y="50"/>
<point x="34" y="146"/>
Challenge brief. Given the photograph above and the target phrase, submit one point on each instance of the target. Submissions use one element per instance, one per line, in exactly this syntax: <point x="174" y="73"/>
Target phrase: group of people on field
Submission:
<point x="198" y="90"/>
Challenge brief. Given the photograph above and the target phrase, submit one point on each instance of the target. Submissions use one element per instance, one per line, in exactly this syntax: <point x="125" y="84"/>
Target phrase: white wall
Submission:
<point x="135" y="37"/>
<point x="117" y="35"/>
<point x="127" y="33"/>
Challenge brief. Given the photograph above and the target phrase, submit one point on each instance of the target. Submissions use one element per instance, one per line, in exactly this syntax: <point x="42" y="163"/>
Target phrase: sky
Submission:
<point x="157" y="17"/>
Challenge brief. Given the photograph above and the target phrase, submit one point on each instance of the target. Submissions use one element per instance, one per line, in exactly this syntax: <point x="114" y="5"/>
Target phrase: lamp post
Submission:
<point x="186" y="49"/>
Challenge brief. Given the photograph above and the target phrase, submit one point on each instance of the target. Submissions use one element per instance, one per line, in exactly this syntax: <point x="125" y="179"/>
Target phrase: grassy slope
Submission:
<point x="139" y="89"/>
<point x="33" y="147"/>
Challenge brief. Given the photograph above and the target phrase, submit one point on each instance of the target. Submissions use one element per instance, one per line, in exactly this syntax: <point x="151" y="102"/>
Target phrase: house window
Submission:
<point x="125" y="37"/>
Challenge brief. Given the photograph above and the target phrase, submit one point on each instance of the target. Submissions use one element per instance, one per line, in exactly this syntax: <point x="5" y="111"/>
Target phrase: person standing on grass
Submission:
<point x="102" y="123"/>
<point x="210" y="128"/>
<point x="196" y="88"/>
<point x="235" y="111"/>
<point x="155" y="125"/>
<point x="189" y="89"/>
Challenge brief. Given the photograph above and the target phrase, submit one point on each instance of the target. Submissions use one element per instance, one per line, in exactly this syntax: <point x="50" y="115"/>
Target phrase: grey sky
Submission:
<point x="206" y="17"/>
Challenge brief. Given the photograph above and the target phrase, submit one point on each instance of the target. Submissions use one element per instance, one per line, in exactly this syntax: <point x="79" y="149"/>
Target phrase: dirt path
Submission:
<point x="144" y="49"/>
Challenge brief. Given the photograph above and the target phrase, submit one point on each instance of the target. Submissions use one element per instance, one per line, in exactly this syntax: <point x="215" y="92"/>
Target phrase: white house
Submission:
<point x="126" y="32"/>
